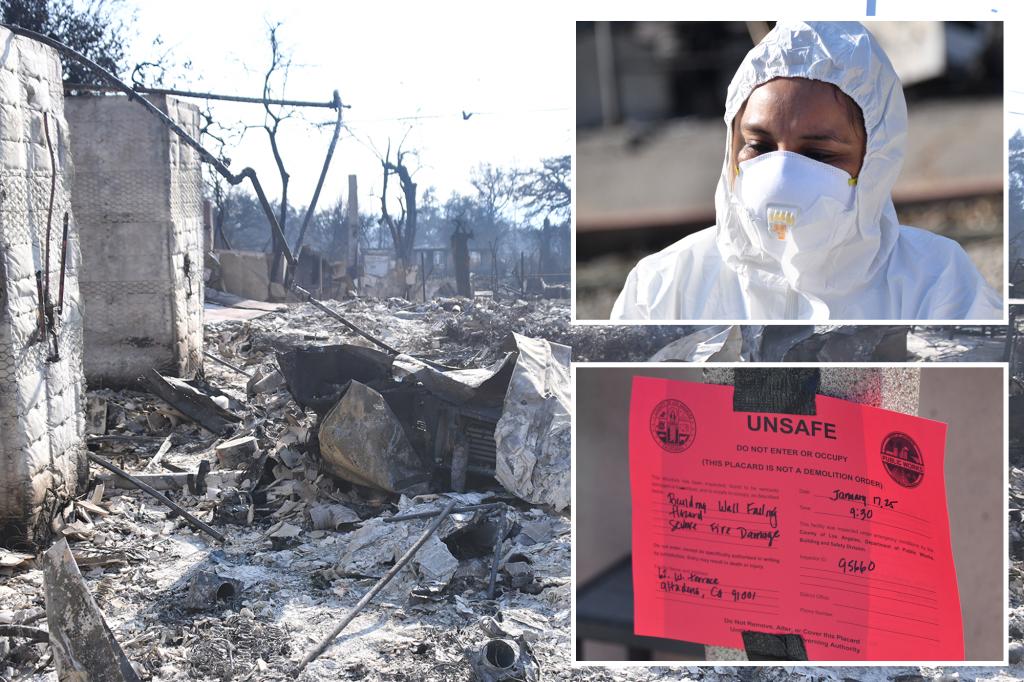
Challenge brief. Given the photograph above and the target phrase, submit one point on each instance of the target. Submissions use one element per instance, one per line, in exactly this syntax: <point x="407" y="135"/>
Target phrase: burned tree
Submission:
<point x="545" y="190"/>
<point x="402" y="229"/>
<point x="495" y="190"/>
<point x="280" y="66"/>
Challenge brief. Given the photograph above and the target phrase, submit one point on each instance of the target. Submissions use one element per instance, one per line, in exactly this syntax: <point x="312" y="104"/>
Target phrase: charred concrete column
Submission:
<point x="42" y="455"/>
<point x="460" y="252"/>
<point x="352" y="220"/>
<point x="137" y="196"/>
<point x="891" y="388"/>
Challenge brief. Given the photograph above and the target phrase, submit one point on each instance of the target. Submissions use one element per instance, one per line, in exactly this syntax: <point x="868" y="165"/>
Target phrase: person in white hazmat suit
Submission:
<point x="805" y="224"/>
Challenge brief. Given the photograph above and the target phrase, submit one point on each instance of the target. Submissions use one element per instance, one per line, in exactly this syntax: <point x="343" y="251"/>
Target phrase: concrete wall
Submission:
<point x="42" y="455"/>
<point x="974" y="467"/>
<point x="245" y="274"/>
<point x="137" y="197"/>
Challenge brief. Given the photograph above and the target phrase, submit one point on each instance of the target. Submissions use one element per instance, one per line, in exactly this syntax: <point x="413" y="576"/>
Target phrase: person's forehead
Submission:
<point x="799" y="101"/>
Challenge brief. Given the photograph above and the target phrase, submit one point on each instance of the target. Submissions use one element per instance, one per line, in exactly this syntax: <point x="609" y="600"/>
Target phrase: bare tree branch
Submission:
<point x="545" y="190"/>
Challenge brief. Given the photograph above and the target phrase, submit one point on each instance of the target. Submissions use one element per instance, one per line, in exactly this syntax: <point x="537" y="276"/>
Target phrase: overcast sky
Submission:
<point x="425" y="62"/>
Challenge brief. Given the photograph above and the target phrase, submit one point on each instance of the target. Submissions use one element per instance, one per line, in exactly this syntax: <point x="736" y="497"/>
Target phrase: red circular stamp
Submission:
<point x="902" y="459"/>
<point x="673" y="426"/>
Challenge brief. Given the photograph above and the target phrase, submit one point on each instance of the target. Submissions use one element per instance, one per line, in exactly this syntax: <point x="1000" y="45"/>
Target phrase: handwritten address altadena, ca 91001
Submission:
<point x="832" y="526"/>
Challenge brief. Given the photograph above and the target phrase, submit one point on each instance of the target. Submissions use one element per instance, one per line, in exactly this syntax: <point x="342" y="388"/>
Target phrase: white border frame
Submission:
<point x="823" y="664"/>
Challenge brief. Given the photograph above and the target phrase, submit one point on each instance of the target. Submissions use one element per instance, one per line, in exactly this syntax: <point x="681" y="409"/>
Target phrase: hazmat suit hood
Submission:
<point x="863" y="265"/>
<point x="846" y="55"/>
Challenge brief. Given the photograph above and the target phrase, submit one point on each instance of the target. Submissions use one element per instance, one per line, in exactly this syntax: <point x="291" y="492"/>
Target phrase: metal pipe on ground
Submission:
<point x="227" y="364"/>
<point x="196" y="523"/>
<point x="368" y="597"/>
<point x="435" y="512"/>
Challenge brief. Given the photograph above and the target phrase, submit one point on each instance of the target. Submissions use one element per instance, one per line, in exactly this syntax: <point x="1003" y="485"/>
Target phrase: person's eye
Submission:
<point x="758" y="147"/>
<point x="819" y="155"/>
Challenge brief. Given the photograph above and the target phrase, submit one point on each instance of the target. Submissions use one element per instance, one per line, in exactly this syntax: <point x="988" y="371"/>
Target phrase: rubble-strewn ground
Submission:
<point x="460" y="331"/>
<point x="296" y="582"/>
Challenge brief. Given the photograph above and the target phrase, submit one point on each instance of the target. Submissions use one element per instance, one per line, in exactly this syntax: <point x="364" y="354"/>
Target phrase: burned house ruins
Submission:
<point x="181" y="468"/>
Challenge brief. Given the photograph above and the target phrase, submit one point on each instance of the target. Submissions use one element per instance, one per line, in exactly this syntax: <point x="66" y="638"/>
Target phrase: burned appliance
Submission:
<point x="398" y="423"/>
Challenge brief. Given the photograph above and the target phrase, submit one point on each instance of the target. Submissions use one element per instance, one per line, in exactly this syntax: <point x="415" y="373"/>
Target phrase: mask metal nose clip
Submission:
<point x="781" y="220"/>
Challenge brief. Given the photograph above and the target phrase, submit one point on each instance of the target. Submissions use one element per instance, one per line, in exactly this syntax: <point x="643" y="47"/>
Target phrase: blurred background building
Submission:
<point x="651" y="140"/>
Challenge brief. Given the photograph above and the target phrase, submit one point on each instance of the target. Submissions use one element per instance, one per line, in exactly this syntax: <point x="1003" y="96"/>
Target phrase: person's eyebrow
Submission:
<point x="754" y="129"/>
<point x="825" y="137"/>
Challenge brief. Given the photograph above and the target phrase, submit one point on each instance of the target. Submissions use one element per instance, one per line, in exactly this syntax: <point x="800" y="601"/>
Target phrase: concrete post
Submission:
<point x="891" y="388"/>
<point x="137" y="195"/>
<point x="42" y="391"/>
<point x="352" y="218"/>
<point x="460" y="251"/>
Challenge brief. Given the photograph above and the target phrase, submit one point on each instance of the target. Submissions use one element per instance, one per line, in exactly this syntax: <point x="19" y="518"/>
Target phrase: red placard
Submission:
<point x="832" y="526"/>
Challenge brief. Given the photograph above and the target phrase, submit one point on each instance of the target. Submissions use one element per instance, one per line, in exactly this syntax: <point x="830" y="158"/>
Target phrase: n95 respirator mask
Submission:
<point x="790" y="205"/>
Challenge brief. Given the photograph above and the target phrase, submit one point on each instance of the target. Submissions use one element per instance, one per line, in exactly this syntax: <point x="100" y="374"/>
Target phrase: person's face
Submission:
<point x="807" y="117"/>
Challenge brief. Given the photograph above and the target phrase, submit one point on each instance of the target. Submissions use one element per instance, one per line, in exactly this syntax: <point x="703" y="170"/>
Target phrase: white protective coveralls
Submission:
<point x="872" y="269"/>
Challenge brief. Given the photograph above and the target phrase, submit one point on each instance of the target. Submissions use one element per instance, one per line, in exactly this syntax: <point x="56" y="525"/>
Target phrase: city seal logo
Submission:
<point x="673" y="426"/>
<point x="902" y="459"/>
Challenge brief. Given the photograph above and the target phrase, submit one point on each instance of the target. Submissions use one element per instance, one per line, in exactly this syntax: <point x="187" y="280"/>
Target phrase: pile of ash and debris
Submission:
<point x="467" y="331"/>
<point x="471" y="332"/>
<point x="310" y="469"/>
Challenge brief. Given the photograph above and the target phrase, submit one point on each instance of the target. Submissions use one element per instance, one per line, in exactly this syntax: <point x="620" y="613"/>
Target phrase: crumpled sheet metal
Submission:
<point x="533" y="435"/>
<point x="195" y="404"/>
<point x="316" y="377"/>
<point x="362" y="441"/>
<point x="714" y="343"/>
<point x="83" y="646"/>
<point x="484" y="386"/>
<point x="375" y="547"/>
